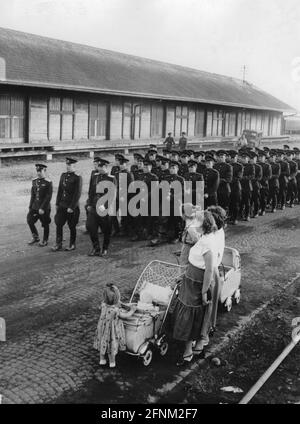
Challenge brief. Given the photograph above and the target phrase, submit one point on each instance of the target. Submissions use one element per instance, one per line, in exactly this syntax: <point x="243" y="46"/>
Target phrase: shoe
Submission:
<point x="43" y="243"/>
<point x="235" y="222"/>
<point x="56" y="248"/>
<point x="104" y="252"/>
<point x="102" y="362"/>
<point x="262" y="213"/>
<point x="201" y="345"/>
<point x="185" y="360"/>
<point x="247" y="218"/>
<point x="112" y="365"/>
<point x="283" y="208"/>
<point x="254" y="216"/>
<point x="273" y="210"/>
<point x="94" y="252"/>
<point x="153" y="242"/>
<point x="292" y="206"/>
<point x="72" y="247"/>
<point x="33" y="241"/>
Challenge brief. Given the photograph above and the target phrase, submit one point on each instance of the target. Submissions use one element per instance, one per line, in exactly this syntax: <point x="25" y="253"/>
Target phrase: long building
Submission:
<point x="57" y="92"/>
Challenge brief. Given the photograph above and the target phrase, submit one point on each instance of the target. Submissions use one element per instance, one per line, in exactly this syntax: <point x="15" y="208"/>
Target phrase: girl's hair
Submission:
<point x="111" y="294"/>
<point x="219" y="215"/>
<point x="208" y="224"/>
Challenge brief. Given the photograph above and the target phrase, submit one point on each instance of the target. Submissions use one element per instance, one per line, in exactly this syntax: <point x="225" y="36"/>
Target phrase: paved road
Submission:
<point x="50" y="300"/>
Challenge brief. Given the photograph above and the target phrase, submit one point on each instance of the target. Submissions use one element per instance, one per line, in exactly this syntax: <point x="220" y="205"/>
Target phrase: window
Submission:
<point x="200" y="123"/>
<point x="157" y="114"/>
<point x="181" y="120"/>
<point x="230" y="124"/>
<point x="217" y="124"/>
<point x="61" y="118"/>
<point x="11" y="117"/>
<point x="98" y="120"/>
<point x="209" y="118"/>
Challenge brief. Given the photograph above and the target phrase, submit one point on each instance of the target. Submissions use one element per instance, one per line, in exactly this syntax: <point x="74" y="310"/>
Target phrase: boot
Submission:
<point x="70" y="248"/>
<point x="35" y="239"/>
<point x="94" y="252"/>
<point x="43" y="243"/>
<point x="57" y="248"/>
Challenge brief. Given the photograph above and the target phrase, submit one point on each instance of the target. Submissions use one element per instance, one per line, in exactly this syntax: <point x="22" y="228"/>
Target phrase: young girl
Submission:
<point x="110" y="334"/>
<point x="193" y="217"/>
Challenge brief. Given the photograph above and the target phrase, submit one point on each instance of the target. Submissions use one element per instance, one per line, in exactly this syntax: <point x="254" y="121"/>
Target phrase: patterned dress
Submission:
<point x="110" y="334"/>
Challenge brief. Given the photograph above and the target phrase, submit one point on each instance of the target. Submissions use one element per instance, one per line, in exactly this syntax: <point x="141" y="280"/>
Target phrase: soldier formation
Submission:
<point x="245" y="183"/>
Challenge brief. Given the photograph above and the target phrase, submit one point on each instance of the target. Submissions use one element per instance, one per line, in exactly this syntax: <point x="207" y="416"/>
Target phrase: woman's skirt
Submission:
<point x="188" y="312"/>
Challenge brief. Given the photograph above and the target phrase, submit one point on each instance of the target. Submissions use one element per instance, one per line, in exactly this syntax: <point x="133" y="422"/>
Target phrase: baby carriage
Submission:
<point x="145" y="330"/>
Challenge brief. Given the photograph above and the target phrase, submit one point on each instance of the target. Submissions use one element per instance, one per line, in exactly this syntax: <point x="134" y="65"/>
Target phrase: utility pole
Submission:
<point x="244" y="73"/>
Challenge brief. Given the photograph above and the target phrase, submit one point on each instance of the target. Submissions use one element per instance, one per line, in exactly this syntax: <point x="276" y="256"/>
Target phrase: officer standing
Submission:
<point x="95" y="219"/>
<point x="246" y="183"/>
<point x="174" y="226"/>
<point x="39" y="205"/>
<point x="121" y="202"/>
<point x="169" y="142"/>
<point x="211" y="183"/>
<point x="67" y="205"/>
<point x="297" y="160"/>
<point x="283" y="178"/>
<point x="255" y="198"/>
<point x="95" y="162"/>
<point x="236" y="188"/>
<point x="149" y="221"/>
<point x="292" y="183"/>
<point x="274" y="181"/>
<point x="183" y="167"/>
<point x="226" y="172"/>
<point x="266" y="176"/>
<point x="116" y="167"/>
<point x="182" y="142"/>
<point x="201" y="165"/>
<point x="191" y="178"/>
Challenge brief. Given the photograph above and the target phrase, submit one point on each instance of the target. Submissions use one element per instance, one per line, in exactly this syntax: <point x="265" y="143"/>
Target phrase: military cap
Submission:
<point x="174" y="152"/>
<point x="209" y="158"/>
<point x="184" y="155"/>
<point x="123" y="160"/>
<point x="290" y="153"/>
<point x="253" y="155"/>
<point x="200" y="153"/>
<point x="40" y="166"/>
<point x="221" y="152"/>
<point x="266" y="149"/>
<point x="296" y="149"/>
<point x="285" y="146"/>
<point x="150" y="151"/>
<point x="165" y="160"/>
<point x="280" y="152"/>
<point x="192" y="163"/>
<point x="233" y="153"/>
<point x="273" y="152"/>
<point x="244" y="154"/>
<point x="153" y="146"/>
<point x="136" y="155"/>
<point x="97" y="159"/>
<point x="140" y="158"/>
<point x="69" y="160"/>
<point x="174" y="163"/>
<point x="165" y="151"/>
<point x="159" y="158"/>
<point x="147" y="162"/>
<point x="118" y="155"/>
<point x="169" y="133"/>
<point x="103" y="162"/>
<point x="262" y="153"/>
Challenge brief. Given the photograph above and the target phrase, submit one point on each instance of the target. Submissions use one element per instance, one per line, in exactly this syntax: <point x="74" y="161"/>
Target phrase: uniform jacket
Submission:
<point x="114" y="170"/>
<point x="276" y="170"/>
<point x="201" y="168"/>
<point x="226" y="172"/>
<point x="237" y="174"/>
<point x="182" y="143"/>
<point x="193" y="177"/>
<point x="211" y="181"/>
<point x="284" y="174"/>
<point x="69" y="190"/>
<point x="93" y="195"/>
<point x="257" y="177"/>
<point x="293" y="168"/>
<point x="169" y="142"/>
<point x="248" y="177"/>
<point x="183" y="169"/>
<point x="266" y="174"/>
<point x="41" y="194"/>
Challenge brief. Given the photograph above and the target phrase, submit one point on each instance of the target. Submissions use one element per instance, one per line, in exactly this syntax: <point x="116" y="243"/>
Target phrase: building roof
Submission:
<point x="45" y="62"/>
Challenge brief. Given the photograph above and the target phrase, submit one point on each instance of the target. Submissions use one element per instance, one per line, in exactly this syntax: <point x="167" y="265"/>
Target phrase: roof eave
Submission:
<point x="137" y="94"/>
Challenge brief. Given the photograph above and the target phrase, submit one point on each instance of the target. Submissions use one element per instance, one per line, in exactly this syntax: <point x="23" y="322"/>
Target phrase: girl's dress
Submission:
<point x="110" y="333"/>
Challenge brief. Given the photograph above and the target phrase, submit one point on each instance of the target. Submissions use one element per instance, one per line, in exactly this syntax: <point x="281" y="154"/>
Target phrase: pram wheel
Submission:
<point x="163" y="348"/>
<point x="147" y="357"/>
<point x="227" y="305"/>
<point x="237" y="296"/>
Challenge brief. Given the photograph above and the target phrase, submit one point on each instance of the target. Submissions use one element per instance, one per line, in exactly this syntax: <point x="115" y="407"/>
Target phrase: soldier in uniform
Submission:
<point x="137" y="221"/>
<point x="174" y="226"/>
<point x="201" y="166"/>
<point x="266" y="176"/>
<point x="95" y="162"/>
<point x="134" y="166"/>
<point x="116" y="167"/>
<point x="246" y="183"/>
<point x="126" y="222"/>
<point x="140" y="167"/>
<point x="236" y="188"/>
<point x="225" y="172"/>
<point x="182" y="142"/>
<point x="169" y="142"/>
<point x="157" y="170"/>
<point x="95" y="220"/>
<point x="192" y="176"/>
<point x="255" y="198"/>
<point x="39" y="205"/>
<point x="274" y="181"/>
<point x="292" y="183"/>
<point x="211" y="183"/>
<point x="183" y="167"/>
<point x="151" y="157"/>
<point x="67" y="205"/>
<point x="148" y="222"/>
<point x="283" y="178"/>
<point x="175" y="155"/>
<point x="114" y="170"/>
<point x="297" y="160"/>
<point x="166" y="153"/>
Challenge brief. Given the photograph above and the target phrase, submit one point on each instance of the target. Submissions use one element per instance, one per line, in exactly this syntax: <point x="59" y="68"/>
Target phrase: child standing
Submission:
<point x="193" y="217"/>
<point x="110" y="333"/>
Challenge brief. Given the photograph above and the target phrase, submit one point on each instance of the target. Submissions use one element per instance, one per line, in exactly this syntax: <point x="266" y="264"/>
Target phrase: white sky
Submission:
<point x="212" y="35"/>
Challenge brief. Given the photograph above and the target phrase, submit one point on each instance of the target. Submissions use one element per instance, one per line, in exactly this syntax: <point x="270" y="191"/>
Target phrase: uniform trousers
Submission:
<point x="282" y="193"/>
<point x="211" y="200"/>
<point x="291" y="191"/>
<point x="255" y="200"/>
<point x="234" y="204"/>
<point x="33" y="216"/>
<point x="61" y="217"/>
<point x="273" y="196"/>
<point x="264" y="195"/>
<point x="95" y="221"/>
<point x="245" y="203"/>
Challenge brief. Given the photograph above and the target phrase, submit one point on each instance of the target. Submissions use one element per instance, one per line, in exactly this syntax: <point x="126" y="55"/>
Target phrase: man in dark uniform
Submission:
<point x="246" y="183"/>
<point x="95" y="162"/>
<point x="175" y="155"/>
<point x="149" y="222"/>
<point x="292" y="183"/>
<point x="183" y="167"/>
<point x="67" y="205"/>
<point x="134" y="166"/>
<point x="211" y="183"/>
<point x="121" y="203"/>
<point x="166" y="153"/>
<point x="236" y="188"/>
<point x="201" y="166"/>
<point x="137" y="221"/>
<point x="169" y="142"/>
<point x="274" y="181"/>
<point x="116" y="167"/>
<point x="151" y="157"/>
<point x="140" y="167"/>
<point x="174" y="226"/>
<point x="225" y="172"/>
<point x="192" y="176"/>
<point x="255" y="198"/>
<point x="39" y="205"/>
<point x="182" y="142"/>
<point x="114" y="170"/>
<point x="283" y="179"/>
<point x="266" y="176"/>
<point x="297" y="160"/>
<point x="95" y="220"/>
<point x="157" y="170"/>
